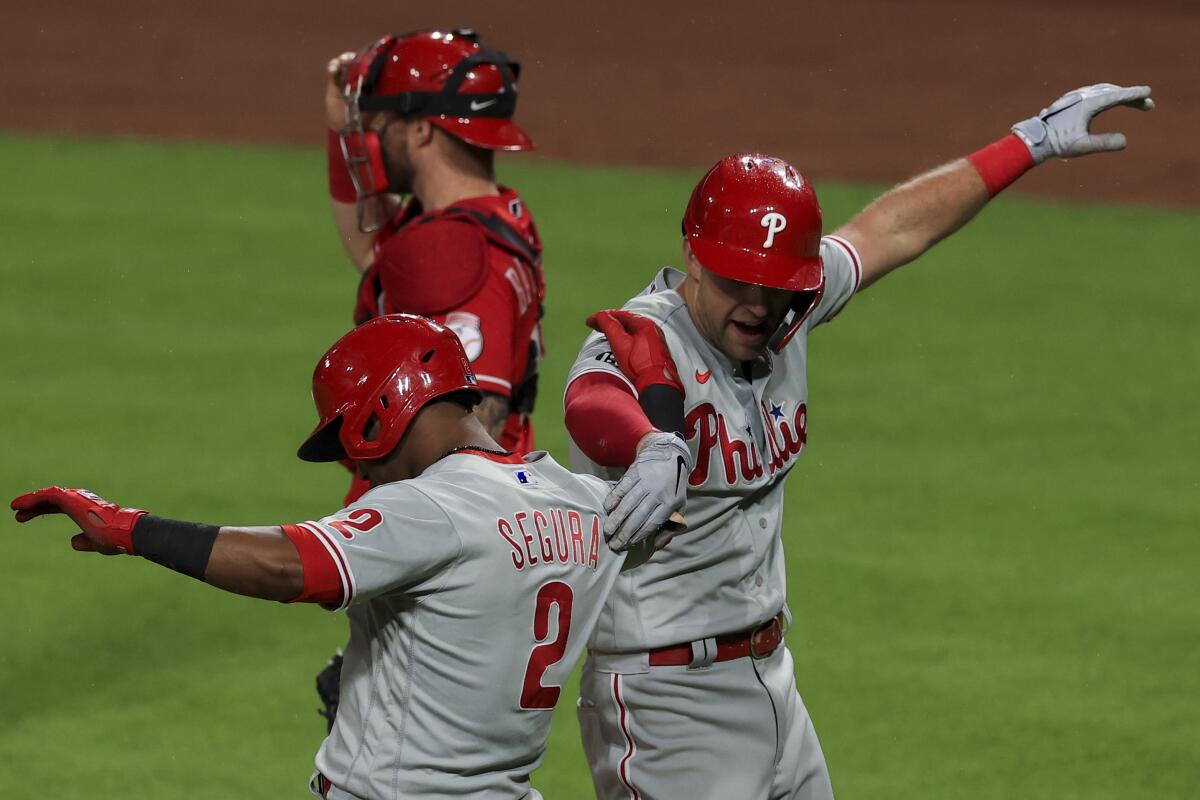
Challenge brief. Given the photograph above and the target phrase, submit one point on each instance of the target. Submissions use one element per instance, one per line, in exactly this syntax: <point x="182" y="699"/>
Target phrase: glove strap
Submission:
<point x="1001" y="163"/>
<point x="119" y="525"/>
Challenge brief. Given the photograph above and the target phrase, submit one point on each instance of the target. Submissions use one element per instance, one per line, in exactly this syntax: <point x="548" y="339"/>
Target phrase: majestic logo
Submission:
<point x="702" y="377"/>
<point x="477" y="106"/>
<point x="739" y="457"/>
<point x="774" y="222"/>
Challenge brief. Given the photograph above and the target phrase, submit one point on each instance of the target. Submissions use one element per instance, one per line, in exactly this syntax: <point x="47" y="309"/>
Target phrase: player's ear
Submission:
<point x="420" y="132"/>
<point x="690" y="264"/>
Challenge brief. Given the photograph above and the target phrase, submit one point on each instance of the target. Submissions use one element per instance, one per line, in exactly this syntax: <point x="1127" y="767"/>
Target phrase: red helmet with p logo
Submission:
<point x="756" y="219"/>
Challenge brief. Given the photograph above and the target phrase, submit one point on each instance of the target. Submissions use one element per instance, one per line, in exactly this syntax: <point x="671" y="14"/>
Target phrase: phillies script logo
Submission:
<point x="739" y="456"/>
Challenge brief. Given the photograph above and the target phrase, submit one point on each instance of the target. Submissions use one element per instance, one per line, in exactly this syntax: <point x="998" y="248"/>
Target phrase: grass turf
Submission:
<point x="992" y="537"/>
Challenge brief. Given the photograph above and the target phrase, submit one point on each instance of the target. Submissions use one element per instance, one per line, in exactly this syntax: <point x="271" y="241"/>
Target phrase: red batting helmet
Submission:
<point x="385" y="370"/>
<point x="755" y="219"/>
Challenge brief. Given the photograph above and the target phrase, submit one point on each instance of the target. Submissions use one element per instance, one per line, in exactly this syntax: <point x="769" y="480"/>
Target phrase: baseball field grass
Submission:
<point x="993" y="539"/>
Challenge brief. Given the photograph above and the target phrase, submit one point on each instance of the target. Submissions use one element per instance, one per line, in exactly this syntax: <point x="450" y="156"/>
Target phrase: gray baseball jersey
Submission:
<point x="471" y="591"/>
<point x="745" y="425"/>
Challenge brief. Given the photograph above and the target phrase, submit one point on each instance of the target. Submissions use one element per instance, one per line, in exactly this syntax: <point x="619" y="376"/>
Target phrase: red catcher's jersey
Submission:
<point x="474" y="266"/>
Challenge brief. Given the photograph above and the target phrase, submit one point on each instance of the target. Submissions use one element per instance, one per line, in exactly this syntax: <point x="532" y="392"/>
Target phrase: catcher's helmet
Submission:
<point x="755" y="219"/>
<point x="450" y="78"/>
<point x="385" y="371"/>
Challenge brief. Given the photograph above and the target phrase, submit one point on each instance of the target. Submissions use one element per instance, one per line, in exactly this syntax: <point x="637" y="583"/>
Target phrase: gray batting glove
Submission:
<point x="654" y="486"/>
<point x="1062" y="129"/>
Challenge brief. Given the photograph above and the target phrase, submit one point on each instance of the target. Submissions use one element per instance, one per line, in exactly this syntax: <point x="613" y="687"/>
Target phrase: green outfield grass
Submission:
<point x="992" y="539"/>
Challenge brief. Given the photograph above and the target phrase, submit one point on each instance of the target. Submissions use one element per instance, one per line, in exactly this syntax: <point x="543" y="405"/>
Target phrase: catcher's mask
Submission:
<point x="755" y="219"/>
<point x="374" y="380"/>
<point x="451" y="79"/>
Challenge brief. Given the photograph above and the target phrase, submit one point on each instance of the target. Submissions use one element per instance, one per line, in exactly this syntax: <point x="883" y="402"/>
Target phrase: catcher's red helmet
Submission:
<point x="384" y="370"/>
<point x="450" y="78"/>
<point x="755" y="219"/>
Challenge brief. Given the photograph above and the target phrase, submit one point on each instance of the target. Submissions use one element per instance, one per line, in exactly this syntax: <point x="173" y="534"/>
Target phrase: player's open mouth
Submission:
<point x="750" y="331"/>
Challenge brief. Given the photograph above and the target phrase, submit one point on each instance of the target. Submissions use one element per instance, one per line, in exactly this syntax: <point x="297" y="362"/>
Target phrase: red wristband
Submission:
<point x="341" y="187"/>
<point x="1001" y="163"/>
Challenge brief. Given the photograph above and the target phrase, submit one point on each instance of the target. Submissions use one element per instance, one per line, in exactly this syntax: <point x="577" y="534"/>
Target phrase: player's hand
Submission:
<point x="335" y="83"/>
<point x="640" y="348"/>
<point x="105" y="527"/>
<point x="1062" y="129"/>
<point x="654" y="486"/>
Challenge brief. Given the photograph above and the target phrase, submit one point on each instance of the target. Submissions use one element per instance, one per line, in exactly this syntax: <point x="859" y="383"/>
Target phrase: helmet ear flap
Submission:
<point x="802" y="305"/>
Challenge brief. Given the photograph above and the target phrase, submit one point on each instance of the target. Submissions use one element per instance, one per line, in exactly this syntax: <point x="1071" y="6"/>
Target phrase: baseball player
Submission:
<point x="688" y="690"/>
<point x="421" y="115"/>
<point x="471" y="576"/>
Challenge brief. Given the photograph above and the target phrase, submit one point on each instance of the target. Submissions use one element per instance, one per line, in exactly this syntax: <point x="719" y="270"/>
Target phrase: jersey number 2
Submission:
<point x="360" y="520"/>
<point x="554" y="594"/>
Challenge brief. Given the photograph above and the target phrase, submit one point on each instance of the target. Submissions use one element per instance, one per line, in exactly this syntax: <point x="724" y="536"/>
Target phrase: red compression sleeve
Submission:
<point x="1001" y="163"/>
<point x="321" y="581"/>
<point x="341" y="188"/>
<point x="604" y="419"/>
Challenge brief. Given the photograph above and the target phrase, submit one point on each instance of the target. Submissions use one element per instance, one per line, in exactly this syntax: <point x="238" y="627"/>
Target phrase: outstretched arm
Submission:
<point x="257" y="562"/>
<point x="908" y="220"/>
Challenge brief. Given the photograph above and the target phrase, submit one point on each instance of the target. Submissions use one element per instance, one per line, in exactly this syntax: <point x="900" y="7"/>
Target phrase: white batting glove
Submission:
<point x="1062" y="129"/>
<point x="654" y="486"/>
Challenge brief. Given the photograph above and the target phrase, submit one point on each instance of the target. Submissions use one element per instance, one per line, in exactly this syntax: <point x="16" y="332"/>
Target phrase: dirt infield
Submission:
<point x="858" y="89"/>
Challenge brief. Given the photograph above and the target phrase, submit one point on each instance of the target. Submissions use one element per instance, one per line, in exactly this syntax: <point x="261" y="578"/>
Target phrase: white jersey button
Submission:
<point x="762" y="522"/>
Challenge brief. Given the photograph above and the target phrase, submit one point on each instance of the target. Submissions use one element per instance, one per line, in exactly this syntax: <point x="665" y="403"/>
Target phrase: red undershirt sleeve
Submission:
<point x="604" y="419"/>
<point x="321" y="581"/>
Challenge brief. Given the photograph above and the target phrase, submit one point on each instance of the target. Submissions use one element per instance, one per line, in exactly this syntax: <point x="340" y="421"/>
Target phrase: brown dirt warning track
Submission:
<point x="860" y="89"/>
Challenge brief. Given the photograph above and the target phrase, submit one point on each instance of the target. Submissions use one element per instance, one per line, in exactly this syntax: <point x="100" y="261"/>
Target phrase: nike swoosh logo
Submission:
<point x="679" y="472"/>
<point x="475" y="106"/>
<point x="702" y="377"/>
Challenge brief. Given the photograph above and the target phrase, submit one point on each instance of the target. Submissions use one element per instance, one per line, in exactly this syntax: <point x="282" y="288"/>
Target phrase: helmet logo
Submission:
<point x="774" y="222"/>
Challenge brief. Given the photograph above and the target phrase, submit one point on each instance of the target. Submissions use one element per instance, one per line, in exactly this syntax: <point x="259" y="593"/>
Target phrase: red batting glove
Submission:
<point x="640" y="348"/>
<point x="105" y="527"/>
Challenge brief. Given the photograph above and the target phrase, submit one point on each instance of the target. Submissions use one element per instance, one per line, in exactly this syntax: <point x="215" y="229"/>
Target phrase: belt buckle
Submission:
<point x="771" y="635"/>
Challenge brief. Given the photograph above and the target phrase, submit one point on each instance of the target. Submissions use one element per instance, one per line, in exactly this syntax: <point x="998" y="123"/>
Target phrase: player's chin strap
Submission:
<point x="802" y="305"/>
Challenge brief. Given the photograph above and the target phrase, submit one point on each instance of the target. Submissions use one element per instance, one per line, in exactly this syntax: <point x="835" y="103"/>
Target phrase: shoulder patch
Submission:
<point x="433" y="267"/>
<point x="469" y="330"/>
